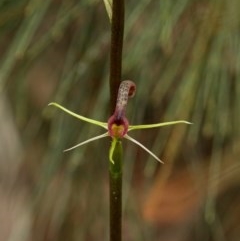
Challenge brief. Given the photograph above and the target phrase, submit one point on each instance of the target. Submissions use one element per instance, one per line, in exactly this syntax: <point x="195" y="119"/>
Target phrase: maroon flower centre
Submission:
<point x="117" y="128"/>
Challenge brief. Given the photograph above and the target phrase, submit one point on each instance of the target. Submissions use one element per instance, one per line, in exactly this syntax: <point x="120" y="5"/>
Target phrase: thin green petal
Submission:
<point x="137" y="127"/>
<point x="143" y="147"/>
<point x="92" y="121"/>
<point x="112" y="148"/>
<point x="87" y="141"/>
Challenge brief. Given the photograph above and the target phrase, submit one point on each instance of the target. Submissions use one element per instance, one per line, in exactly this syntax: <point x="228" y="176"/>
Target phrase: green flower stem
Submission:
<point x="115" y="178"/>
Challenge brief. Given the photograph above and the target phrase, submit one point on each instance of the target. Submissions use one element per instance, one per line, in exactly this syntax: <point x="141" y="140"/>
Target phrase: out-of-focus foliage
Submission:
<point x="108" y="6"/>
<point x="185" y="59"/>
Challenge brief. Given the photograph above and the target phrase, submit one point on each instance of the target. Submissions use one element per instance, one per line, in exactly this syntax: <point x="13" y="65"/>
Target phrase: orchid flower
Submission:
<point x="118" y="126"/>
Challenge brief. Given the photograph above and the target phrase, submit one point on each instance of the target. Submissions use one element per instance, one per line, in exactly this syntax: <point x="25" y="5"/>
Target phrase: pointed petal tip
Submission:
<point x="54" y="104"/>
<point x="66" y="150"/>
<point x="183" y="122"/>
<point x="160" y="161"/>
<point x="51" y="103"/>
<point x="112" y="161"/>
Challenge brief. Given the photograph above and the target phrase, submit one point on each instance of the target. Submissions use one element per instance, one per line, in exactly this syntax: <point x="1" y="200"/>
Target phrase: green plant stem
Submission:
<point x="117" y="32"/>
<point x="115" y="177"/>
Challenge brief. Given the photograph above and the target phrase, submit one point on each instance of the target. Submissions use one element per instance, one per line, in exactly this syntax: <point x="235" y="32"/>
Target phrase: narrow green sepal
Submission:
<point x="83" y="118"/>
<point x="149" y="126"/>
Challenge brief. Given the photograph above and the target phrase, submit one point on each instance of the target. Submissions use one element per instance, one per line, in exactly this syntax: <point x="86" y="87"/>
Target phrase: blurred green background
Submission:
<point x="184" y="57"/>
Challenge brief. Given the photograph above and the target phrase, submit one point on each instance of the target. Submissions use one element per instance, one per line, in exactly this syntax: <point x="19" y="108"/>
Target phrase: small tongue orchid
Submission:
<point x="117" y="126"/>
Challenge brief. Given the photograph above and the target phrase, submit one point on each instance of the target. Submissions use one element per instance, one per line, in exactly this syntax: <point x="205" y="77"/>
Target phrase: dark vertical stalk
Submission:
<point x="117" y="32"/>
<point x="115" y="174"/>
<point x="115" y="169"/>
